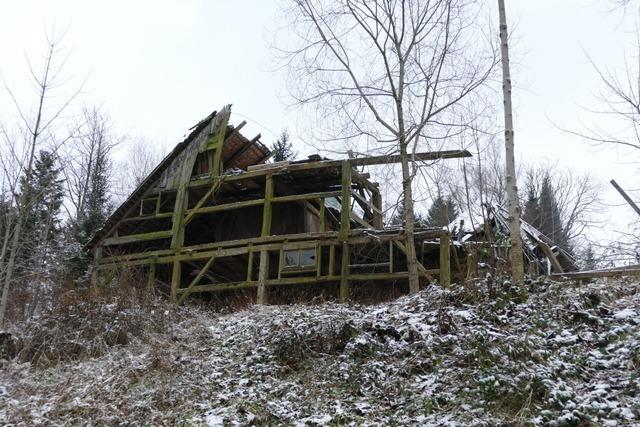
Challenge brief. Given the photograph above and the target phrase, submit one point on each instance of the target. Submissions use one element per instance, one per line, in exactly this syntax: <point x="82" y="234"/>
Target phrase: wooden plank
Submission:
<point x="195" y="280"/>
<point x="132" y="238"/>
<point x="147" y="217"/>
<point x="307" y="196"/>
<point x="227" y="206"/>
<point x="551" y="256"/>
<point x="365" y="277"/>
<point x="592" y="274"/>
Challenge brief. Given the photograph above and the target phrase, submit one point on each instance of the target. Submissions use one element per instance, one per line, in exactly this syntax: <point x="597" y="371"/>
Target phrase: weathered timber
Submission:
<point x="242" y="149"/>
<point x="551" y="256"/>
<point x="445" y="260"/>
<point x="204" y="199"/>
<point x="263" y="276"/>
<point x="132" y="238"/>
<point x="196" y="279"/>
<point x="592" y="274"/>
<point x="625" y="196"/>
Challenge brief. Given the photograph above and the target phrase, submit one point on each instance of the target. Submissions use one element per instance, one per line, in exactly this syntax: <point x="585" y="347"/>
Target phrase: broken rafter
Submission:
<point x="240" y="151"/>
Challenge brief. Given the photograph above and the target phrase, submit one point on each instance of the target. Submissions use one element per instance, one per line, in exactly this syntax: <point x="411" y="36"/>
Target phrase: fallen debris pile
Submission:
<point x="568" y="355"/>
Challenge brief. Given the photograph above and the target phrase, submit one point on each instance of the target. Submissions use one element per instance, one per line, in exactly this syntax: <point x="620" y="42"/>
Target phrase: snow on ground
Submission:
<point x="569" y="355"/>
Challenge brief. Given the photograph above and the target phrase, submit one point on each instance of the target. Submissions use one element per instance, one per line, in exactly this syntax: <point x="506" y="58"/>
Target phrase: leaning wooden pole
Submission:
<point x="517" y="265"/>
<point x="625" y="196"/>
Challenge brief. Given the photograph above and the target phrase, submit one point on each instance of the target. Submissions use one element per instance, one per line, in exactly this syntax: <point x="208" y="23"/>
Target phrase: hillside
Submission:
<point x="569" y="355"/>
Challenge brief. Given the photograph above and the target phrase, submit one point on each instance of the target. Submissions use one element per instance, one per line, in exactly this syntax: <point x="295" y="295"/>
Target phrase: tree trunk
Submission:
<point x="517" y="265"/>
<point x="409" y="222"/>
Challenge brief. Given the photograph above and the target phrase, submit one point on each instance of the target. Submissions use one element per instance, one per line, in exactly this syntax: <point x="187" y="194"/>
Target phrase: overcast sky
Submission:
<point x="157" y="67"/>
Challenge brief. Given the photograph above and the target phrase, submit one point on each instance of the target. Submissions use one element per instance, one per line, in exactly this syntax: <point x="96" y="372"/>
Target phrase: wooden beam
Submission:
<point x="550" y="256"/>
<point x="147" y="217"/>
<point x="211" y="193"/>
<point x="625" y="196"/>
<point x="195" y="281"/>
<point x="344" y="273"/>
<point x="240" y="151"/>
<point x="144" y="237"/>
<point x="591" y="274"/>
<point x="307" y="196"/>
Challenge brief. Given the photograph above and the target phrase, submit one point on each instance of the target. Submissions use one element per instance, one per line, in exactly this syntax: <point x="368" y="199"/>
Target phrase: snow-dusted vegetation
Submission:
<point x="568" y="355"/>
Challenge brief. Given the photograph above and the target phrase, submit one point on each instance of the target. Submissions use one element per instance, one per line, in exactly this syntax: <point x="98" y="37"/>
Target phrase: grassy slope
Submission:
<point x="568" y="355"/>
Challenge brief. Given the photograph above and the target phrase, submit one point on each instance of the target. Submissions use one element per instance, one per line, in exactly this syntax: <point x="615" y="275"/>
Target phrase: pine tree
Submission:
<point x="532" y="207"/>
<point x="282" y="148"/>
<point x="442" y="212"/>
<point x="90" y="218"/>
<point x="398" y="217"/>
<point x="550" y="221"/>
<point x="43" y="193"/>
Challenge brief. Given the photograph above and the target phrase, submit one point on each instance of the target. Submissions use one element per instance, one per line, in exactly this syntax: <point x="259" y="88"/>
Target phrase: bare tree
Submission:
<point x="38" y="127"/>
<point x="388" y="76"/>
<point x="142" y="156"/>
<point x="517" y="263"/>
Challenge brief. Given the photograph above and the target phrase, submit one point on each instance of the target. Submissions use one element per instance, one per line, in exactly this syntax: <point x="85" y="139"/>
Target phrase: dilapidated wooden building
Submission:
<point x="213" y="215"/>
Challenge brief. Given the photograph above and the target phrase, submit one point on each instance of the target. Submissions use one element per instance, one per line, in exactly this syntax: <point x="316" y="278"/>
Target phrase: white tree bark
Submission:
<point x="517" y="264"/>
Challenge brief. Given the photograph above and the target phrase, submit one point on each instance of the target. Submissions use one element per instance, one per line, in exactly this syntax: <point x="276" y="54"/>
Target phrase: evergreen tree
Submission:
<point x="397" y="218"/>
<point x="550" y="221"/>
<point x="442" y="212"/>
<point x="90" y="217"/>
<point x="282" y="148"/>
<point x="43" y="194"/>
<point x="532" y="208"/>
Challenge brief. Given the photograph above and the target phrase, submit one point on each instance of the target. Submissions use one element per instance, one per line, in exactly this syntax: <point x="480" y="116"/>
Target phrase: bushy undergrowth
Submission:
<point x="479" y="354"/>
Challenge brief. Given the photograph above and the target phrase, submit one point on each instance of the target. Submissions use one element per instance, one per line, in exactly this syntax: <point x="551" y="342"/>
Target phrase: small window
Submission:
<point x="300" y="259"/>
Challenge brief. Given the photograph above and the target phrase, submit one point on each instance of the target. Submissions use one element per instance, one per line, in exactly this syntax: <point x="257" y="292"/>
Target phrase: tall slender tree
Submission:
<point x="394" y="72"/>
<point x="517" y="263"/>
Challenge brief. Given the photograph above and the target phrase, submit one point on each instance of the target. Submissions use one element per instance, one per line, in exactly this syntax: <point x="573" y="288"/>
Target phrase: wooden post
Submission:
<point x="151" y="278"/>
<point x="263" y="270"/>
<point x="97" y="255"/>
<point x="267" y="208"/>
<point x="376" y="201"/>
<point x="445" y="260"/>
<point x="176" y="275"/>
<point x="344" y="273"/>
<point x="346" y="201"/>
<point x="345" y="227"/>
<point x="263" y="275"/>
<point x="323" y="220"/>
<point x="250" y="265"/>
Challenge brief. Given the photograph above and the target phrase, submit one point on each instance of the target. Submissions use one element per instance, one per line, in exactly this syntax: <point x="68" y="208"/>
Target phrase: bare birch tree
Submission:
<point x="388" y="74"/>
<point x="38" y="126"/>
<point x="517" y="263"/>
